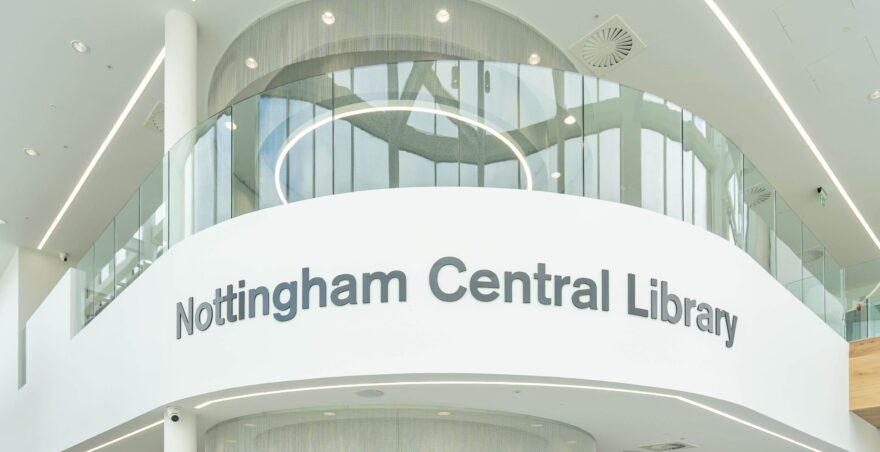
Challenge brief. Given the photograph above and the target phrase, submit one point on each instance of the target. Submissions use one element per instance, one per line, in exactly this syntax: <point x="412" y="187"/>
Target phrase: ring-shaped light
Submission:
<point x="288" y="146"/>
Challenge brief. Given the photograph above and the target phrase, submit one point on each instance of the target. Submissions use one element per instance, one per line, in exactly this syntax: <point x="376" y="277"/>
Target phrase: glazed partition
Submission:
<point x="460" y="124"/>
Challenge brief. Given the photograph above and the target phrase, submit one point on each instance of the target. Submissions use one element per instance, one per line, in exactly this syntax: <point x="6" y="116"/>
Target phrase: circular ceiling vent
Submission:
<point x="813" y="255"/>
<point x="758" y="194"/>
<point x="607" y="46"/>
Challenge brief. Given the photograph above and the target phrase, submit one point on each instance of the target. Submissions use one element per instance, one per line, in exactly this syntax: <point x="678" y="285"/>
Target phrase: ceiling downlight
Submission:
<point x="79" y="46"/>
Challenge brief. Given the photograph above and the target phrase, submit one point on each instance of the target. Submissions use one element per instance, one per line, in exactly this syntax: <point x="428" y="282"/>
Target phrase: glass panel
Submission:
<point x="224" y="166"/>
<point x="759" y="197"/>
<point x="127" y="250"/>
<point x="713" y="188"/>
<point x="862" y="300"/>
<point x="153" y="216"/>
<point x="244" y="156"/>
<point x="789" y="243"/>
<point x="814" y="273"/>
<point x="85" y="293"/>
<point x="181" y="200"/>
<point x="105" y="269"/>
<point x="205" y="178"/>
<point x="835" y="309"/>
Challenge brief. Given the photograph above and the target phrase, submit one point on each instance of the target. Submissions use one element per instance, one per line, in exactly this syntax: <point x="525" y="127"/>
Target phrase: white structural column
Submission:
<point x="181" y="44"/>
<point x="181" y="435"/>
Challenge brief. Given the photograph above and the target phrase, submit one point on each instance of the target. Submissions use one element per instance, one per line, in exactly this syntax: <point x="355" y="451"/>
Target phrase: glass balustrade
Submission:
<point x="466" y="124"/>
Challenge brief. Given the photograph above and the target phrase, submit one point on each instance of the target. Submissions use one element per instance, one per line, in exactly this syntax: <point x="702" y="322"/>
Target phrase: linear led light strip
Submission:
<point x="788" y="112"/>
<point x="518" y="384"/>
<point x="113" y="130"/>
<point x="360" y="111"/>
<point x="127" y="435"/>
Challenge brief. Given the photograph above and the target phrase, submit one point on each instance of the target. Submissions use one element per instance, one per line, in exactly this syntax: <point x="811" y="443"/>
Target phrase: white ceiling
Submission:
<point x="821" y="56"/>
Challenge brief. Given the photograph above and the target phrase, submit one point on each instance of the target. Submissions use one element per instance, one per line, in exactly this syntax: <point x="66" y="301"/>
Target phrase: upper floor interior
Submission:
<point x="69" y="105"/>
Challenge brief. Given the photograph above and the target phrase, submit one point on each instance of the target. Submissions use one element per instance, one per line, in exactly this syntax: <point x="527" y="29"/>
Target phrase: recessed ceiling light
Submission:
<point x="31" y="152"/>
<point x="329" y="413"/>
<point x="2" y="222"/>
<point x="442" y="16"/>
<point x="251" y="63"/>
<point x="328" y="18"/>
<point x="443" y="413"/>
<point x="874" y="94"/>
<point x="556" y="174"/>
<point x="570" y="119"/>
<point x="537" y="425"/>
<point x="230" y="125"/>
<point x="79" y="46"/>
<point x="534" y="59"/>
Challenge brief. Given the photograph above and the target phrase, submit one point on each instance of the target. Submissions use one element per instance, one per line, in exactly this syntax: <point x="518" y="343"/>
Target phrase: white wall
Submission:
<point x="786" y="363"/>
<point x="39" y="273"/>
<point x="8" y="345"/>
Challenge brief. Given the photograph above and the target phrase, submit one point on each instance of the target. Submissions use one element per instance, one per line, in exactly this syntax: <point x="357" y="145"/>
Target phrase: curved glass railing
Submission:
<point x="459" y="123"/>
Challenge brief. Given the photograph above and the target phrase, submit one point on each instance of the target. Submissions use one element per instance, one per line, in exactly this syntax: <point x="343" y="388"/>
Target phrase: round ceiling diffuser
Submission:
<point x="607" y="47"/>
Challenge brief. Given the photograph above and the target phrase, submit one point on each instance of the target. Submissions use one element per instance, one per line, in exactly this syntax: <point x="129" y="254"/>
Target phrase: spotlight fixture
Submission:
<point x="230" y="125"/>
<point x="328" y="18"/>
<point x="251" y="63"/>
<point x="534" y="59"/>
<point x="875" y="95"/>
<point x="31" y="152"/>
<point x="570" y="119"/>
<point x="329" y="413"/>
<point x="443" y="413"/>
<point x="556" y="174"/>
<point x="442" y="16"/>
<point x="79" y="46"/>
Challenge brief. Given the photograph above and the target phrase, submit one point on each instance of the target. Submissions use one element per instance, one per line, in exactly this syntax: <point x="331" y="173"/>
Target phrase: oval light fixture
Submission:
<point x="251" y="63"/>
<point x="31" y="152"/>
<point x="874" y="94"/>
<point x="79" y="46"/>
<point x="2" y="222"/>
<point x="442" y="16"/>
<point x="328" y="18"/>
<point x="570" y="119"/>
<point x="534" y="59"/>
<point x="288" y="146"/>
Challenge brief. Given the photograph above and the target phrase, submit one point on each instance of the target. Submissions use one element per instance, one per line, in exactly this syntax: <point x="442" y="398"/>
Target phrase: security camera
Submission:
<point x="174" y="415"/>
<point x="64" y="257"/>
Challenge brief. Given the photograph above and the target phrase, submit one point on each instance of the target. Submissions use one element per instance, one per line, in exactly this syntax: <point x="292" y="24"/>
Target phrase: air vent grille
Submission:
<point x="156" y="119"/>
<point x="668" y="446"/>
<point x="758" y="194"/>
<point x="607" y="46"/>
